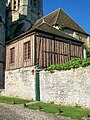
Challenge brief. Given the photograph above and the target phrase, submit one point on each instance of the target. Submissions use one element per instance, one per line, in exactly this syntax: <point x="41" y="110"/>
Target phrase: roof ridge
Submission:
<point x="57" y="15"/>
<point x="44" y="22"/>
<point x="48" y="14"/>
<point x="70" y="17"/>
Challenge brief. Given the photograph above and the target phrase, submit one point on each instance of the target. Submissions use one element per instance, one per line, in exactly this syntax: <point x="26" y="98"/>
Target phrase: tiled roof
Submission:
<point x="45" y="27"/>
<point x="59" y="17"/>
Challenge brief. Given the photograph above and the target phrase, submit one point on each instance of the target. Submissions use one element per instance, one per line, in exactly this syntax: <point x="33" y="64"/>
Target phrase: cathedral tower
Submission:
<point x="24" y="14"/>
<point x="2" y="42"/>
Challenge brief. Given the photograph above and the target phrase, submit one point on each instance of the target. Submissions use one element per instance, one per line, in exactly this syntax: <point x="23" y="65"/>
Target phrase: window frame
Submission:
<point x="18" y="4"/>
<point x="26" y="51"/>
<point x="35" y="3"/>
<point x="14" y="5"/>
<point x="12" y="55"/>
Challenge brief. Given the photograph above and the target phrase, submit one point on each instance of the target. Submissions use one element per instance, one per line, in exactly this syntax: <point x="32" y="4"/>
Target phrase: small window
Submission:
<point x="18" y="4"/>
<point x="14" y="5"/>
<point x="34" y="3"/>
<point x="12" y="55"/>
<point x="26" y="54"/>
<point x="31" y="2"/>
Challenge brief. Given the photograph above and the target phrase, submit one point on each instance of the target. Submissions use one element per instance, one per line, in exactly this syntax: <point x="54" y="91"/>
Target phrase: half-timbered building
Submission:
<point x="42" y="45"/>
<point x="34" y="42"/>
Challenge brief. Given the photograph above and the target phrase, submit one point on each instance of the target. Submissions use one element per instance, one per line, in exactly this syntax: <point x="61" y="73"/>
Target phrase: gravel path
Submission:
<point x="18" y="112"/>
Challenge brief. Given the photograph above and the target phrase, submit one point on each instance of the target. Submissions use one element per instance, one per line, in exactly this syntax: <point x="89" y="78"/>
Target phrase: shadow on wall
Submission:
<point x="16" y="27"/>
<point x="1" y="91"/>
<point x="2" y="86"/>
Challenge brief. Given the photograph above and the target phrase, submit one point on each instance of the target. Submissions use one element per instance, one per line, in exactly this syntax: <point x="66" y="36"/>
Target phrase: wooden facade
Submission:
<point x="52" y="51"/>
<point x="20" y="61"/>
<point x="43" y="50"/>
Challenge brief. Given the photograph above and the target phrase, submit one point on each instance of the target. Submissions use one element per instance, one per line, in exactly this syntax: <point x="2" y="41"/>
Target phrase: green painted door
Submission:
<point x="37" y="86"/>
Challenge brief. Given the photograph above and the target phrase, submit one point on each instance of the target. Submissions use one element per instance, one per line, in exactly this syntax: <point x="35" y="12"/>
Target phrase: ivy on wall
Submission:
<point x="74" y="63"/>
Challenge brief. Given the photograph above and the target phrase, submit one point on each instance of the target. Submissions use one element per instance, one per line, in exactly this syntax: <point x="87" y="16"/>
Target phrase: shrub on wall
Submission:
<point x="74" y="63"/>
<point x="88" y="52"/>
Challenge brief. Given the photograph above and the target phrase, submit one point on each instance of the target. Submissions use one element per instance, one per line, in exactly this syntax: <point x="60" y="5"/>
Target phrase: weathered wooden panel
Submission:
<point x="38" y="46"/>
<point x="19" y="53"/>
<point x="37" y="50"/>
<point x="55" y="52"/>
<point x="48" y="51"/>
<point x="81" y="52"/>
<point x="73" y="50"/>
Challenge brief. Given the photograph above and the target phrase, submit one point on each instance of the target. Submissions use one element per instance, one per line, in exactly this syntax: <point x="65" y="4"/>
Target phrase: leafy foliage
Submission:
<point x="74" y="63"/>
<point x="87" y="51"/>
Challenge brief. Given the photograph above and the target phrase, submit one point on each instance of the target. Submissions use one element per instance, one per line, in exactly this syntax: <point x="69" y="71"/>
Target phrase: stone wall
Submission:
<point x="71" y="87"/>
<point x="20" y="83"/>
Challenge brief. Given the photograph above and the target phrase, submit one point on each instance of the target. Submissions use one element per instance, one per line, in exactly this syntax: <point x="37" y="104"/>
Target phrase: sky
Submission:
<point x="78" y="10"/>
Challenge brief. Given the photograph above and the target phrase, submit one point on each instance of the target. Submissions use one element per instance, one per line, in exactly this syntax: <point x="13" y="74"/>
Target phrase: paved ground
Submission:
<point x="18" y="112"/>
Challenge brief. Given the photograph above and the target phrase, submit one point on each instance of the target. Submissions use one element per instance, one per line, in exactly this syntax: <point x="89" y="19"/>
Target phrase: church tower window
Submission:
<point x="31" y="2"/>
<point x="34" y="3"/>
<point x="14" y="4"/>
<point x="18" y="4"/>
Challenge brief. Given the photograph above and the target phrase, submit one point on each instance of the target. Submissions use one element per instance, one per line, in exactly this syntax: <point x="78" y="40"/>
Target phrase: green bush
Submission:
<point x="85" y="62"/>
<point x="74" y="63"/>
<point x="87" y="51"/>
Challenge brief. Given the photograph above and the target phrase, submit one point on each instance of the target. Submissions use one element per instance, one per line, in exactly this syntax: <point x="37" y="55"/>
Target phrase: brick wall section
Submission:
<point x="20" y="83"/>
<point x="69" y="87"/>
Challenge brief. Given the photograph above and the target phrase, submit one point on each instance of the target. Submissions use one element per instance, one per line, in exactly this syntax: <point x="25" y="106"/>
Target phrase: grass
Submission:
<point x="73" y="112"/>
<point x="11" y="100"/>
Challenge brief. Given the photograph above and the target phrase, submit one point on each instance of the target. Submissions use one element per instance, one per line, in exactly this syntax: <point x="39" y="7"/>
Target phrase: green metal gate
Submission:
<point x="37" y="86"/>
